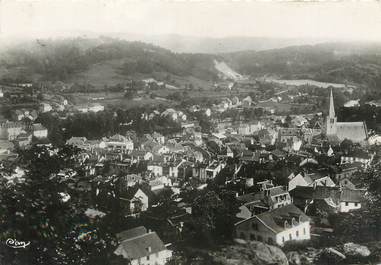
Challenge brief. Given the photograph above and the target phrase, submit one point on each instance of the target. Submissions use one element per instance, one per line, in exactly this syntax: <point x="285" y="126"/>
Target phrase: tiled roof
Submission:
<point x="318" y="192"/>
<point x="289" y="131"/>
<point x="349" y="195"/>
<point x="250" y="197"/>
<point x="276" y="191"/>
<point x="118" y="138"/>
<point x="261" y="195"/>
<point x="5" y="144"/>
<point x="355" y="131"/>
<point x="38" y="127"/>
<point x="11" y="125"/>
<point x="130" y="193"/>
<point x="276" y="218"/>
<point x="140" y="246"/>
<point x="134" y="232"/>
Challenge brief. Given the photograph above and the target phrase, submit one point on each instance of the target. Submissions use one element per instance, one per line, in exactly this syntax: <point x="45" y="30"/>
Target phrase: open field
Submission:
<point x="108" y="73"/>
<point x="101" y="74"/>
<point x="116" y="100"/>
<point x="303" y="82"/>
<point x="281" y="107"/>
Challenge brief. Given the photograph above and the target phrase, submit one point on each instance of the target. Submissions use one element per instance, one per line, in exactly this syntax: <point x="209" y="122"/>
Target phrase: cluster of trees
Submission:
<point x="105" y="123"/>
<point x="45" y="210"/>
<point x="370" y="114"/>
<point x="364" y="224"/>
<point x="213" y="217"/>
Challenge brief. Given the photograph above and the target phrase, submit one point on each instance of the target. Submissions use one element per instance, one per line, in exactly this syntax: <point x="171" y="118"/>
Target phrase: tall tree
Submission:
<point x="47" y="210"/>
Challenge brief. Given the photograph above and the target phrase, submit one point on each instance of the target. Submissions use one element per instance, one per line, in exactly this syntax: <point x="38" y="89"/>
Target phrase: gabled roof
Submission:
<point x="308" y="161"/>
<point x="130" y="193"/>
<point x="279" y="153"/>
<point x="274" y="191"/>
<point x="355" y="131"/>
<point x="276" y="218"/>
<point x="250" y="197"/>
<point x="261" y="195"/>
<point x="130" y="233"/>
<point x="248" y="98"/>
<point x="118" y="138"/>
<point x="317" y="193"/>
<point x="351" y="166"/>
<point x="140" y="246"/>
<point x="349" y="195"/>
<point x="136" y="152"/>
<point x="38" y="127"/>
<point x="312" y="177"/>
<point x="289" y="131"/>
<point x="5" y="144"/>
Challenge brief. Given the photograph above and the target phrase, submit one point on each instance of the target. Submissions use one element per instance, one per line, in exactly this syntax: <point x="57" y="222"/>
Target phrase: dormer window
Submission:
<point x="286" y="225"/>
<point x="300" y="219"/>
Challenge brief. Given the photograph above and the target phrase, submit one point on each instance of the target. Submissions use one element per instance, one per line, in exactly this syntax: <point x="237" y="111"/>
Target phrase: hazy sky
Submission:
<point x="348" y="20"/>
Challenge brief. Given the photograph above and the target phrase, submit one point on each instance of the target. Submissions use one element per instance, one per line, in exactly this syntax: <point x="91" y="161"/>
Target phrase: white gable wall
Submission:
<point x="345" y="207"/>
<point x="298" y="180"/>
<point x="296" y="233"/>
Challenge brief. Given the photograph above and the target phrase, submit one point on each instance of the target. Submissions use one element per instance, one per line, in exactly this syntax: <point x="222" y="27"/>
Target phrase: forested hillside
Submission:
<point x="332" y="62"/>
<point x="60" y="59"/>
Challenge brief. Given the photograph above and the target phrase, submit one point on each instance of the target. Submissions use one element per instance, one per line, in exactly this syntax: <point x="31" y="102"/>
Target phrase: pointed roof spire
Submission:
<point x="331" y="106"/>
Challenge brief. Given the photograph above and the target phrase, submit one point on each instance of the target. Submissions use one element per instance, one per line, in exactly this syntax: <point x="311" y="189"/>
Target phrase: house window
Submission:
<point x="283" y="239"/>
<point x="148" y="257"/>
<point x="260" y="238"/>
<point x="356" y="204"/>
<point x="252" y="237"/>
<point x="254" y="226"/>
<point x="297" y="233"/>
<point x="290" y="236"/>
<point x="304" y="230"/>
<point x="270" y="241"/>
<point x="346" y="203"/>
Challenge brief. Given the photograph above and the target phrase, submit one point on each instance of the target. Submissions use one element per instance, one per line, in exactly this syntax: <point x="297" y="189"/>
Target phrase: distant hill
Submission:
<point x="187" y="44"/>
<point x="102" y="59"/>
<point x="61" y="59"/>
<point x="329" y="62"/>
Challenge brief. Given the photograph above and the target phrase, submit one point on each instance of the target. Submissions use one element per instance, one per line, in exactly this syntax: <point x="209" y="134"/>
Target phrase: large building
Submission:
<point x="141" y="247"/>
<point x="10" y="130"/>
<point x="278" y="226"/>
<point x="354" y="131"/>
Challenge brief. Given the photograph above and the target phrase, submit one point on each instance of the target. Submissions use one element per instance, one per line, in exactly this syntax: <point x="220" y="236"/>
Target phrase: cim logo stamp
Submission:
<point x="14" y="243"/>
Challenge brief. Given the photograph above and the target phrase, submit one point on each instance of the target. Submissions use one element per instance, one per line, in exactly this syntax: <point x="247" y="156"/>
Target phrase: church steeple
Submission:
<point x="331" y="107"/>
<point x="331" y="119"/>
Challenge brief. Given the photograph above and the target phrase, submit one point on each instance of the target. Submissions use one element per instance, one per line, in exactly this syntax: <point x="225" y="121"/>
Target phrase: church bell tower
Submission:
<point x="331" y="118"/>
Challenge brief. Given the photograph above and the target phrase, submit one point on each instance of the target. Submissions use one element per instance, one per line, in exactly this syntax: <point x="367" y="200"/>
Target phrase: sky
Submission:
<point x="331" y="20"/>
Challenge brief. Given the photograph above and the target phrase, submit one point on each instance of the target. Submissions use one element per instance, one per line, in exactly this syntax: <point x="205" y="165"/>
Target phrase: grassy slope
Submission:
<point x="108" y="73"/>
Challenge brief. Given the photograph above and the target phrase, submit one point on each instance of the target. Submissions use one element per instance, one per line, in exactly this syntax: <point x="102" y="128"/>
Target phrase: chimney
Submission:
<point x="315" y="185"/>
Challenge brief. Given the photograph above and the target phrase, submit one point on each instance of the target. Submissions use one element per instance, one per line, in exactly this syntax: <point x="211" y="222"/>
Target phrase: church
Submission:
<point x="354" y="131"/>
